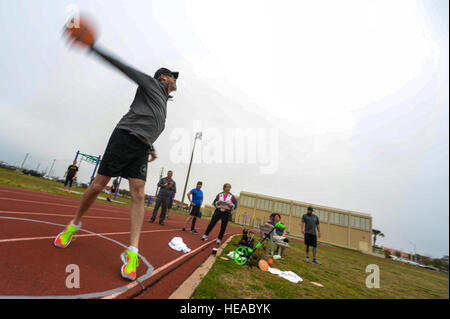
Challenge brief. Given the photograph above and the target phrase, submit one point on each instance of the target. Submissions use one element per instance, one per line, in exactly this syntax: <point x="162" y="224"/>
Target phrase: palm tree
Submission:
<point x="376" y="233"/>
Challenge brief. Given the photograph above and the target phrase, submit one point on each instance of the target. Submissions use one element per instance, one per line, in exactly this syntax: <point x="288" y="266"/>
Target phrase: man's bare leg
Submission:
<point x="90" y="195"/>
<point x="137" y="191"/>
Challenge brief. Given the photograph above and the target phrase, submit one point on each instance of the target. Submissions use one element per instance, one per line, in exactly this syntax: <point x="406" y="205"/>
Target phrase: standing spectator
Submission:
<point x="309" y="224"/>
<point x="196" y="203"/>
<point x="114" y="187"/>
<point x="225" y="203"/>
<point x="166" y="186"/>
<point x="70" y="175"/>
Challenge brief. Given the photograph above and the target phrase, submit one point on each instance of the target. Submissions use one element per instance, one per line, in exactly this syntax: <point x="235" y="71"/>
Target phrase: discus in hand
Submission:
<point x="82" y="31"/>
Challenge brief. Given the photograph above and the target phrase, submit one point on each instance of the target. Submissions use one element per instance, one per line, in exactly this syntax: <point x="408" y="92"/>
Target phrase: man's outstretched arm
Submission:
<point x="138" y="77"/>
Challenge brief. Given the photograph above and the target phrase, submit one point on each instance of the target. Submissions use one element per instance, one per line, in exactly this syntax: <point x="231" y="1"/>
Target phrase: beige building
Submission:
<point x="208" y="210"/>
<point x="338" y="227"/>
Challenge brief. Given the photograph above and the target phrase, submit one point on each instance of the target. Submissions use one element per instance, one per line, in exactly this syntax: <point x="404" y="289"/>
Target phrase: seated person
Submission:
<point x="280" y="233"/>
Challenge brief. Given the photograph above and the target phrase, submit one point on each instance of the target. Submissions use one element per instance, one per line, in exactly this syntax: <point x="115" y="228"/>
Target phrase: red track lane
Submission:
<point x="31" y="266"/>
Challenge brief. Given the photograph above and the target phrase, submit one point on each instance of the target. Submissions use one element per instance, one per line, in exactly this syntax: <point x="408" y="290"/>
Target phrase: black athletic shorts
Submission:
<point x="195" y="211"/>
<point x="311" y="240"/>
<point x="125" y="156"/>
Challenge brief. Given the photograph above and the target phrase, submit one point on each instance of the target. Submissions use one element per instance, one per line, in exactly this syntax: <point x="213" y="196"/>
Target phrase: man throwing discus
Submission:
<point x="130" y="146"/>
<point x="166" y="186"/>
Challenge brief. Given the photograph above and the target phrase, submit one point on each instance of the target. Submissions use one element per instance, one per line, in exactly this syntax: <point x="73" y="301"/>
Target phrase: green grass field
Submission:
<point x="20" y="180"/>
<point x="343" y="274"/>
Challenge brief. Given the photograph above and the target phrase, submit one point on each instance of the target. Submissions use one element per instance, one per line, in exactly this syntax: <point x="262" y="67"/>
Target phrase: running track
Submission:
<point x="32" y="267"/>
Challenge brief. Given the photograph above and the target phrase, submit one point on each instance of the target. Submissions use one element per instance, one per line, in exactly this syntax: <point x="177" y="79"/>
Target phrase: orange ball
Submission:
<point x="81" y="31"/>
<point x="270" y="261"/>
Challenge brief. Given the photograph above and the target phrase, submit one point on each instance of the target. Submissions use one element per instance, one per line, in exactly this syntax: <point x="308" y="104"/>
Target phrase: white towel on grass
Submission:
<point x="178" y="244"/>
<point x="274" y="271"/>
<point x="288" y="275"/>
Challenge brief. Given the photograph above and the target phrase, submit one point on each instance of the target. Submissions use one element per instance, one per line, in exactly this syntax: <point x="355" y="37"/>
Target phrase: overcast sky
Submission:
<point x="345" y="103"/>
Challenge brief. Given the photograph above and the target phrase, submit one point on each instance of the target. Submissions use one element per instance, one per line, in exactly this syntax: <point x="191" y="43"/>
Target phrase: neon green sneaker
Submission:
<point x="130" y="263"/>
<point x="64" y="238"/>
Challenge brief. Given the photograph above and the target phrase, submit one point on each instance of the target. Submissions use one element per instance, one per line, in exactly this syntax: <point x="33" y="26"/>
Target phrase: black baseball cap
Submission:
<point x="310" y="209"/>
<point x="164" y="71"/>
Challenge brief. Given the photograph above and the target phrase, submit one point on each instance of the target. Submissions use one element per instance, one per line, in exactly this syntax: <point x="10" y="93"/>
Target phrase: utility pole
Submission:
<point x="160" y="176"/>
<point x="49" y="172"/>
<point x="415" y="252"/>
<point x="198" y="135"/>
<point x="23" y="163"/>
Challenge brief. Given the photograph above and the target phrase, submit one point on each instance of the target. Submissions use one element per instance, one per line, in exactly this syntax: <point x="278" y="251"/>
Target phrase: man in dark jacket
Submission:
<point x="166" y="186"/>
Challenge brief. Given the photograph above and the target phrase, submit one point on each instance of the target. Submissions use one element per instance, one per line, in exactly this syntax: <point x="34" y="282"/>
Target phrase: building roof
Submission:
<point x="315" y="206"/>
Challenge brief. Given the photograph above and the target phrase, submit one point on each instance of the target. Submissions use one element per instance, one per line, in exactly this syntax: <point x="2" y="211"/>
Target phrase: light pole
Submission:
<point x="198" y="135"/>
<point x="160" y="176"/>
<point x="23" y="163"/>
<point x="415" y="252"/>
<point x="50" y="171"/>
<point x="157" y="189"/>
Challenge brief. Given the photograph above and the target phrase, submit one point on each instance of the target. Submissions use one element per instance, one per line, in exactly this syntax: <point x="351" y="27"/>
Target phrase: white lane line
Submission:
<point x="56" y="204"/>
<point x="25" y="192"/>
<point x="9" y="240"/>
<point x="78" y="235"/>
<point x="115" y="295"/>
<point x="89" y="295"/>
<point x="51" y="196"/>
<point x="59" y="215"/>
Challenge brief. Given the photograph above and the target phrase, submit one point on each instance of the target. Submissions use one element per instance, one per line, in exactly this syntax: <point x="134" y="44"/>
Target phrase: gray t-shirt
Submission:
<point x="311" y="222"/>
<point x="147" y="115"/>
